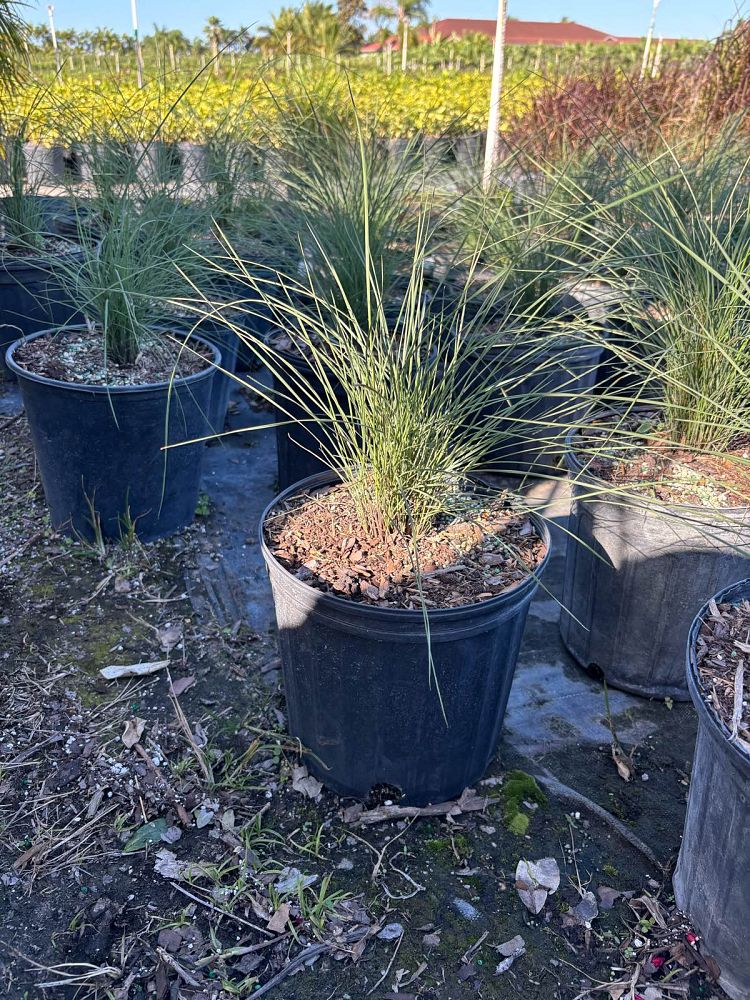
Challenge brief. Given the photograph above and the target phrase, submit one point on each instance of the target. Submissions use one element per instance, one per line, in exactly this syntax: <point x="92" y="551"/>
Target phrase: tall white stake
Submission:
<point x="51" y="16"/>
<point x="649" y="37"/>
<point x="138" y="53"/>
<point x="492" y="150"/>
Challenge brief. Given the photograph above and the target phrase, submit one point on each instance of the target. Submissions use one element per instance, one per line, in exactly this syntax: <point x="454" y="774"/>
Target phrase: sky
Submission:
<point x="675" y="18"/>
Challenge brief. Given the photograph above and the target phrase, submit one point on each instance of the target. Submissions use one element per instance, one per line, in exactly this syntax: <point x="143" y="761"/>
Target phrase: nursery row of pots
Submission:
<point x="162" y="162"/>
<point x="635" y="575"/>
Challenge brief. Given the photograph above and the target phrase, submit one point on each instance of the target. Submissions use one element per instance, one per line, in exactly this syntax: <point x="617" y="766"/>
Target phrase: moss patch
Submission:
<point x="519" y="787"/>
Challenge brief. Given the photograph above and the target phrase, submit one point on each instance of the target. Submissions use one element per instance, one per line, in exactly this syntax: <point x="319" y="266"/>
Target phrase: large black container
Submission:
<point x="299" y="447"/>
<point x="712" y="879"/>
<point x="103" y="446"/>
<point x="357" y="684"/>
<point x="226" y="341"/>
<point x="31" y="299"/>
<point x="634" y="573"/>
<point x="548" y="392"/>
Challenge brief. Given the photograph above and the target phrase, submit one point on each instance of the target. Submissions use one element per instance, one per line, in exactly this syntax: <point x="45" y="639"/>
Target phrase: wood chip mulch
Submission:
<point x="634" y="454"/>
<point x="323" y="542"/>
<point x="723" y="659"/>
<point x="80" y="359"/>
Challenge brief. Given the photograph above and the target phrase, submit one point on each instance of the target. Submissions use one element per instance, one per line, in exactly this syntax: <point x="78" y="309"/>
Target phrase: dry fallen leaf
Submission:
<point x="535" y="880"/>
<point x="607" y="896"/>
<point x="279" y="920"/>
<point x="114" y="673"/>
<point x="133" y="732"/>
<point x="512" y="947"/>
<point x="168" y="865"/>
<point x="305" y="784"/>
<point x="169" y="637"/>
<point x="623" y="763"/>
<point x="181" y="685"/>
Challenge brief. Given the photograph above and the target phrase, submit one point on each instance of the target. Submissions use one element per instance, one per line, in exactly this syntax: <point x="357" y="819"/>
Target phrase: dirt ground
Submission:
<point x="161" y="838"/>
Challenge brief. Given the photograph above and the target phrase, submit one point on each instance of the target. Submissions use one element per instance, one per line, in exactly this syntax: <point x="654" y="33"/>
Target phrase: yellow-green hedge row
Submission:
<point x="400" y="105"/>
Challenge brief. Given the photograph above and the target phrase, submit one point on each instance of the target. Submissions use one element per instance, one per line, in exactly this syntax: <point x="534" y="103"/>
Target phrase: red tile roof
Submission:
<point x="516" y="32"/>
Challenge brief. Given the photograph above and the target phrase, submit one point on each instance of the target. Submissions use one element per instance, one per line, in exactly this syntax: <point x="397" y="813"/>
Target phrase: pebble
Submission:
<point x="466" y="909"/>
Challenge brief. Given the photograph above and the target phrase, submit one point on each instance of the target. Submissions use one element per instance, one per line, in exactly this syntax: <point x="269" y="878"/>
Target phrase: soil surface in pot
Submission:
<point x="80" y="358"/>
<point x="322" y="540"/>
<point x="635" y="452"/>
<point x="723" y="658"/>
<point x="11" y="249"/>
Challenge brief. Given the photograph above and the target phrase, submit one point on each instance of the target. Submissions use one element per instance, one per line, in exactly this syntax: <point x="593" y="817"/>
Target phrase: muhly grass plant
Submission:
<point x="350" y="210"/>
<point x="679" y="254"/>
<point x="22" y="221"/>
<point x="142" y="261"/>
<point x="398" y="394"/>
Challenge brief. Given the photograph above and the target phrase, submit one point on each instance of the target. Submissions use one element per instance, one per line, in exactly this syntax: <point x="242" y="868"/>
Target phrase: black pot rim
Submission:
<point x="575" y="465"/>
<point x="323" y="599"/>
<point x="716" y="725"/>
<point x="37" y="262"/>
<point x="109" y="390"/>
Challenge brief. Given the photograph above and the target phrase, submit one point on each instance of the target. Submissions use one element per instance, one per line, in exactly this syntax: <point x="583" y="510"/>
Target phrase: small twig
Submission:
<point x="238" y="952"/>
<point x="380" y="855"/>
<point x="739" y="687"/>
<point x="304" y="957"/>
<point x="188" y="733"/>
<point x="470" y="952"/>
<point x="174" y="964"/>
<point x="390" y="965"/>
<point x="222" y="913"/>
<point x="37" y="848"/>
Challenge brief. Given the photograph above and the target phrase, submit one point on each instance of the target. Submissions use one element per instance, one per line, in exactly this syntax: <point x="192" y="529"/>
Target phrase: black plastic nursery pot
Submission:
<point x="102" y="447"/>
<point x="357" y="686"/>
<point x="226" y="341"/>
<point x="555" y="394"/>
<point x="31" y="299"/>
<point x="711" y="880"/>
<point x="634" y="573"/>
<point x="299" y="445"/>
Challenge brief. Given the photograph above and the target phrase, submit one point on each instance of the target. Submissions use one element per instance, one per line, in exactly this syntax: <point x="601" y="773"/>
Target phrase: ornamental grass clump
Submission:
<point x="350" y="210"/>
<point x="396" y="395"/>
<point x="22" y="221"/>
<point x="142" y="261"/>
<point x="685" y="245"/>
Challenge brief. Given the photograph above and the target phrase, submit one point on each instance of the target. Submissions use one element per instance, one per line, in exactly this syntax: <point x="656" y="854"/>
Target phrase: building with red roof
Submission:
<point x="516" y="32"/>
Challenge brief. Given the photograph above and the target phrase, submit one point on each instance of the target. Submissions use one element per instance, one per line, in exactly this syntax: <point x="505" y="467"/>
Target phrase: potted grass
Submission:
<point x="345" y="198"/>
<point x="31" y="297"/>
<point x="522" y="236"/>
<point x="710" y="880"/>
<point x="105" y="397"/>
<point x="232" y="184"/>
<point x="401" y="583"/>
<point x="661" y="478"/>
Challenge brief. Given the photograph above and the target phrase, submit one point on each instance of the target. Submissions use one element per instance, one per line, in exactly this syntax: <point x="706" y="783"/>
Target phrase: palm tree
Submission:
<point x="403" y="12"/>
<point x="41" y="36"/>
<point x="12" y="43"/>
<point x="272" y="38"/>
<point x="104" y="41"/>
<point x="214" y="32"/>
<point x="322" y="31"/>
